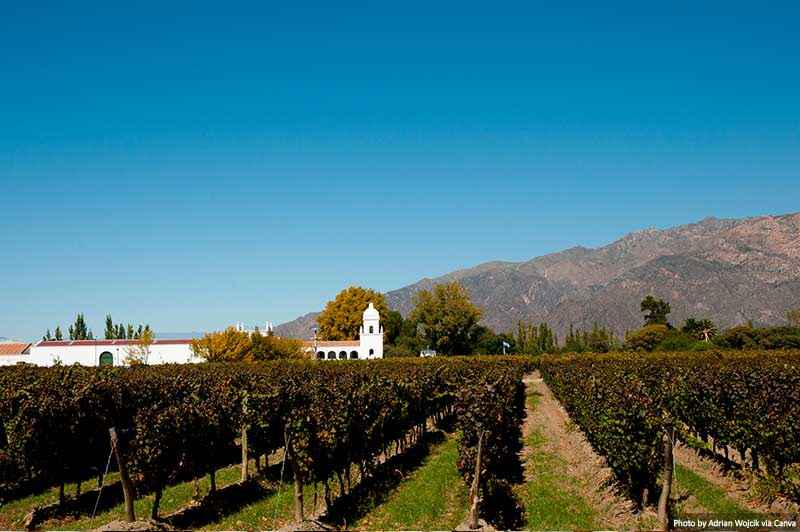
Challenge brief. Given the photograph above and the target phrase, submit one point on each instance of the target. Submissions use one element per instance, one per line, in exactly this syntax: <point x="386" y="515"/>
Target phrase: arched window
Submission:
<point x="353" y="354"/>
<point x="106" y="359"/>
<point x="371" y="352"/>
<point x="342" y="355"/>
<point x="320" y="355"/>
<point x="331" y="355"/>
<point x="371" y="329"/>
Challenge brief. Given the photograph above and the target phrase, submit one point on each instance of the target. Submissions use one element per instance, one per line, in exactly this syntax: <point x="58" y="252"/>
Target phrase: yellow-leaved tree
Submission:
<point x="343" y="316"/>
<point x="229" y="345"/>
<point x="139" y="353"/>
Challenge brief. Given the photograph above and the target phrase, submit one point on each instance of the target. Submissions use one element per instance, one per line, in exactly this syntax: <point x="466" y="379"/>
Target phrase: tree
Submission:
<point x="657" y="311"/>
<point x="794" y="317"/>
<point x="47" y="337"/>
<point x="229" y="345"/>
<point x="271" y="347"/>
<point x="535" y="339"/>
<point x="139" y="353"/>
<point x="343" y="316"/>
<point x="78" y="330"/>
<point x="485" y="341"/>
<point x="393" y="326"/>
<point x="646" y="338"/>
<point x="445" y="317"/>
<point x="59" y="336"/>
<point x="110" y="333"/>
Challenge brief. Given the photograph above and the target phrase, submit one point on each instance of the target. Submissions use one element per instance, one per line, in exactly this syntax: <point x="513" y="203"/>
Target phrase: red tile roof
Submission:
<point x="65" y="343"/>
<point x="13" y="348"/>
<point x="334" y="343"/>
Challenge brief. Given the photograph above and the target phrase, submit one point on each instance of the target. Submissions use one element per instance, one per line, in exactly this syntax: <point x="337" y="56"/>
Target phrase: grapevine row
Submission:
<point x="183" y="421"/>
<point x="750" y="402"/>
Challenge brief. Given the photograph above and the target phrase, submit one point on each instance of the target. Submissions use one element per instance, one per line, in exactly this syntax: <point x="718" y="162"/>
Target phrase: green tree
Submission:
<point x="703" y="329"/>
<point x="343" y="316"/>
<point x="393" y="326"/>
<point x="486" y="342"/>
<point x="646" y="338"/>
<point x="59" y="336"/>
<point x="535" y="339"/>
<point x="109" y="332"/>
<point x="657" y="311"/>
<point x="79" y="331"/>
<point x="445" y="317"/>
<point x="47" y="337"/>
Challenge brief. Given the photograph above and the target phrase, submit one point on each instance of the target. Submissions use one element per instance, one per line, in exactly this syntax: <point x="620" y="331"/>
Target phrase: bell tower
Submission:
<point x="371" y="334"/>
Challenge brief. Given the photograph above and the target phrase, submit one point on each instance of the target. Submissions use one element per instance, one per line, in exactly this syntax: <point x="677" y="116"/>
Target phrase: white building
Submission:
<point x="369" y="343"/>
<point x="100" y="353"/>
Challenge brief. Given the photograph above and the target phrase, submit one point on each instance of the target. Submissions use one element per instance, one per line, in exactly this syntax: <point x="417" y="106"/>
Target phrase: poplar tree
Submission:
<point x="109" y="328"/>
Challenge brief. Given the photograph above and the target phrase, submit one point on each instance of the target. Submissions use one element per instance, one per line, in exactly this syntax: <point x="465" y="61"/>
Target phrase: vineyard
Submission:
<point x="748" y="403"/>
<point x="178" y="422"/>
<point x="338" y="430"/>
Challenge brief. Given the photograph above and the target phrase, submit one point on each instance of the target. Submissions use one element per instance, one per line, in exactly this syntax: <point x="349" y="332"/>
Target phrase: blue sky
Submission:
<point x="195" y="164"/>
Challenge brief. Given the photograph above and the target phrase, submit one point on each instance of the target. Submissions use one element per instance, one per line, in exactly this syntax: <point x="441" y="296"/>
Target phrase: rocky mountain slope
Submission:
<point x="730" y="270"/>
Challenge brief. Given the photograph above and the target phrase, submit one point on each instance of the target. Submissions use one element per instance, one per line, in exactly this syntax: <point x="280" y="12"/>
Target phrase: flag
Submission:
<point x="506" y="345"/>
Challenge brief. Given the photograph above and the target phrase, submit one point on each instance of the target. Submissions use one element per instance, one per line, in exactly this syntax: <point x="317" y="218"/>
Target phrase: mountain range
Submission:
<point x="729" y="270"/>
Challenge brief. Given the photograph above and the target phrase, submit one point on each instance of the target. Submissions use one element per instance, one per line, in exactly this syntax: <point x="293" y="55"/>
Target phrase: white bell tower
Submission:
<point x="371" y="334"/>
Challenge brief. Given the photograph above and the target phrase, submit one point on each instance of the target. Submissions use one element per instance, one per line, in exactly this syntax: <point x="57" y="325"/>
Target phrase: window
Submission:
<point x="106" y="359"/>
<point x="342" y="355"/>
<point x="371" y="352"/>
<point x="371" y="329"/>
<point x="320" y="355"/>
<point x="353" y="354"/>
<point x="331" y="355"/>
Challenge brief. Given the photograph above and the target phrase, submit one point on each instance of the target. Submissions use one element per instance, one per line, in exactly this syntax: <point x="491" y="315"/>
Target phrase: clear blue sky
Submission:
<point x="193" y="165"/>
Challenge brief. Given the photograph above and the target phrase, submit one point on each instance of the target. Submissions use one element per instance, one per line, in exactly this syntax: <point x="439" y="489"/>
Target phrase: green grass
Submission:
<point x="710" y="496"/>
<point x="13" y="513"/>
<point x="272" y="512"/>
<point x="172" y="499"/>
<point x="552" y="501"/>
<point x="434" y="497"/>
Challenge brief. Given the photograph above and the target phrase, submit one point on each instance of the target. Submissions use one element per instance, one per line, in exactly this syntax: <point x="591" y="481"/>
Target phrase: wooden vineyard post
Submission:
<point x="244" y="454"/>
<point x="474" y="511"/>
<point x="663" y="501"/>
<point x="298" y="476"/>
<point x="127" y="487"/>
<point x="244" y="438"/>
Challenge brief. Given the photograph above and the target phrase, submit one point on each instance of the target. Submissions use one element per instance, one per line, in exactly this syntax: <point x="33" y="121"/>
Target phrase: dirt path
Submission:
<point x="554" y="447"/>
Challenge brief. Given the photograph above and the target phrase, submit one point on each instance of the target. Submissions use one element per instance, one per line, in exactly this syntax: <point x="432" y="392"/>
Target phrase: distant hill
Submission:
<point x="730" y="270"/>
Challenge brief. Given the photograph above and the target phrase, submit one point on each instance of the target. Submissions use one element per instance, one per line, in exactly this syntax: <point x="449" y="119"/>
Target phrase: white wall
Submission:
<point x="88" y="353"/>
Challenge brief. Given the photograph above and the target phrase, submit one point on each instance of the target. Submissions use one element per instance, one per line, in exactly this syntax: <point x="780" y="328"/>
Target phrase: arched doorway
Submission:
<point x="353" y="354"/>
<point x="331" y="355"/>
<point x="106" y="359"/>
<point x="342" y="355"/>
<point x="320" y="355"/>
